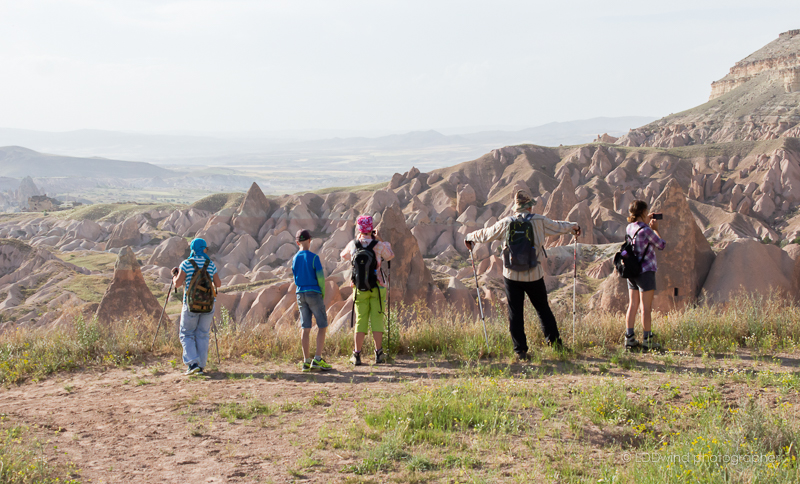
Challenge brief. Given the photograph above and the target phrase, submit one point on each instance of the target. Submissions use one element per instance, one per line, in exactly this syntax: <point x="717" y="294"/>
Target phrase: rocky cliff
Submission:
<point x="756" y="100"/>
<point x="724" y="172"/>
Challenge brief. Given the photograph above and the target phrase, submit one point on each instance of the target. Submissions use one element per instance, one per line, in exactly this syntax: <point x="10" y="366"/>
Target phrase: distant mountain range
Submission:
<point x="19" y="162"/>
<point x="199" y="149"/>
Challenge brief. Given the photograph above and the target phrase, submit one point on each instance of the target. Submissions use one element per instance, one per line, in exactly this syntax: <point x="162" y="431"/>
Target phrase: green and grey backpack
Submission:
<point x="519" y="250"/>
<point x="200" y="295"/>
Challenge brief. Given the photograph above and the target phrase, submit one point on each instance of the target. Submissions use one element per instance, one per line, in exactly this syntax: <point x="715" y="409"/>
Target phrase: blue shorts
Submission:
<point x="311" y="303"/>
<point x="645" y="282"/>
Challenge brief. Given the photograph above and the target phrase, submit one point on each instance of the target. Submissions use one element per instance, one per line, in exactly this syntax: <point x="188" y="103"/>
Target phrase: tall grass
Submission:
<point x="34" y="353"/>
<point x="751" y="443"/>
<point x="23" y="459"/>
<point x="760" y="324"/>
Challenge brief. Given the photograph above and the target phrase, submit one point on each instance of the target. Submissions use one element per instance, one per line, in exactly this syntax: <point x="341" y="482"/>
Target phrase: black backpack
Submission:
<point x="625" y="261"/>
<point x="365" y="267"/>
<point x="200" y="295"/>
<point x="519" y="251"/>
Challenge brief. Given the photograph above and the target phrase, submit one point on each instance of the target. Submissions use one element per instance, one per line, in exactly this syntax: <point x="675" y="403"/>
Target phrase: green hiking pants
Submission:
<point x="369" y="310"/>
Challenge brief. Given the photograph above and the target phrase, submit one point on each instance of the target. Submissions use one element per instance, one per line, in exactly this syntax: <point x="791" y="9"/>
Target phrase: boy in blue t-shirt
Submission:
<point x="310" y="282"/>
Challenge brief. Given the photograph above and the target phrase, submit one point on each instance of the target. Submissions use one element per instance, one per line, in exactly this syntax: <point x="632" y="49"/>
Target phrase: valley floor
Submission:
<point x="555" y="419"/>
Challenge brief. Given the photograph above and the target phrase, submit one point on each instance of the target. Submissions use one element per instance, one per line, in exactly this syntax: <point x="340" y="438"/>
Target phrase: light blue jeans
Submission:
<point x="195" y="334"/>
<point x="311" y="303"/>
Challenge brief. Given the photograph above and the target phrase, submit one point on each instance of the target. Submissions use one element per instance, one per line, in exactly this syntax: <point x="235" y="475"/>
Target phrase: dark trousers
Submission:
<point x="537" y="293"/>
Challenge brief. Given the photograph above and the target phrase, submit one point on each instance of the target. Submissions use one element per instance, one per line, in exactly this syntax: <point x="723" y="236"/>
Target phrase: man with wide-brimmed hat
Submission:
<point x="525" y="242"/>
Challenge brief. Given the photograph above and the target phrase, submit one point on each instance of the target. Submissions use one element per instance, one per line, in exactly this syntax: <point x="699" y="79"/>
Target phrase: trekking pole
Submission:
<point x="389" y="305"/>
<point x="480" y="304"/>
<point x="574" y="285"/>
<point x="353" y="311"/>
<point x="216" y="343"/>
<point x="164" y="310"/>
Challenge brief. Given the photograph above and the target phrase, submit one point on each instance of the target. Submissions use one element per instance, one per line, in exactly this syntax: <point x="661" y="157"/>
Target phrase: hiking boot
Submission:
<point x="355" y="359"/>
<point x="320" y="364"/>
<point x="523" y="357"/>
<point x="631" y="341"/>
<point x="193" y="368"/>
<point x="380" y="357"/>
<point x="650" y="343"/>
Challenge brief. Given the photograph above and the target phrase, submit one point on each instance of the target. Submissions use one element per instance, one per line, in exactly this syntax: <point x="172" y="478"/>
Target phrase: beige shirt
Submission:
<point x="543" y="227"/>
<point x="383" y="251"/>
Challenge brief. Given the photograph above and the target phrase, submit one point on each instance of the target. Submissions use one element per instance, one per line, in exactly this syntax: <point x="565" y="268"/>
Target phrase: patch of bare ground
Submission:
<point x="256" y="421"/>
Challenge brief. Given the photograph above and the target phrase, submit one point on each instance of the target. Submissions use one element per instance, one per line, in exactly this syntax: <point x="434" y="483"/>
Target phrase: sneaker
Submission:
<point x="320" y="364"/>
<point x="380" y="357"/>
<point x="355" y="359"/>
<point x="650" y="343"/>
<point x="305" y="366"/>
<point x="631" y="341"/>
<point x="200" y="371"/>
<point x="193" y="368"/>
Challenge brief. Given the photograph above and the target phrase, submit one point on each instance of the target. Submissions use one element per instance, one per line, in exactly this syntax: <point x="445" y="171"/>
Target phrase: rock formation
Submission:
<point x="411" y="281"/>
<point x="125" y="234"/>
<point x="685" y="261"/>
<point x="128" y="296"/>
<point x="252" y="213"/>
<point x="562" y="200"/>
<point x="749" y="189"/>
<point x="27" y="188"/>
<point x="170" y="253"/>
<point x="747" y="266"/>
<point x="754" y="101"/>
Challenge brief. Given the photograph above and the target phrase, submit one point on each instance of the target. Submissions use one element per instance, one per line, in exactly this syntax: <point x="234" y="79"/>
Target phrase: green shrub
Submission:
<point x="23" y="459"/>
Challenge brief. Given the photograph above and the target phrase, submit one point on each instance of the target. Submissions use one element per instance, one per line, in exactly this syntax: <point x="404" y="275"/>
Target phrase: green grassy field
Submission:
<point x="721" y="405"/>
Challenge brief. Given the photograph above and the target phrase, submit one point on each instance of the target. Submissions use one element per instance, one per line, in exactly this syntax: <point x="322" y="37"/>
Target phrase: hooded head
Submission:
<point x="364" y="224"/>
<point x="523" y="202"/>
<point x="198" y="247"/>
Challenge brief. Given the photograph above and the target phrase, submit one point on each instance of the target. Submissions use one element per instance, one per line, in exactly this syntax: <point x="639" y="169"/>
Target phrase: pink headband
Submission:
<point x="364" y="224"/>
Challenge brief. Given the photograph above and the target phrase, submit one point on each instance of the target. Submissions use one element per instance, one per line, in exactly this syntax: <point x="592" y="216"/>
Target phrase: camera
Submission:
<point x="658" y="216"/>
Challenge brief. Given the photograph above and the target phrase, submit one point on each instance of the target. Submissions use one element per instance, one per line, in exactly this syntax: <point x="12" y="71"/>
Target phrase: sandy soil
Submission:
<point x="148" y="423"/>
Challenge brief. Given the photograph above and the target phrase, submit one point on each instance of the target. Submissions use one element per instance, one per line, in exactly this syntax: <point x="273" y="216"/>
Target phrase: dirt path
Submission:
<point x="151" y="424"/>
<point x="130" y="425"/>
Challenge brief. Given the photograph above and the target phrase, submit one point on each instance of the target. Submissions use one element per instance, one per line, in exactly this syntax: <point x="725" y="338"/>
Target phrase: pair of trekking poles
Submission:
<point x="161" y="318"/>
<point x="574" y="291"/>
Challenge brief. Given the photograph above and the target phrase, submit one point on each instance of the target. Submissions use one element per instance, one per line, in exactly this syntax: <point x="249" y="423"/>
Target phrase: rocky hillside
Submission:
<point x="714" y="195"/>
<point x="722" y="201"/>
<point x="756" y="100"/>
<point x="16" y="161"/>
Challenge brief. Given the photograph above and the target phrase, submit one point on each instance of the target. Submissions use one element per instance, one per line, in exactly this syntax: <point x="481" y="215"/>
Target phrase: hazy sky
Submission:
<point x="232" y="65"/>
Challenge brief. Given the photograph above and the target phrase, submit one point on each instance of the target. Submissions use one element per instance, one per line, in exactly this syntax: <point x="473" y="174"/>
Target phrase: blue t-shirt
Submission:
<point x="307" y="270"/>
<point x="187" y="267"/>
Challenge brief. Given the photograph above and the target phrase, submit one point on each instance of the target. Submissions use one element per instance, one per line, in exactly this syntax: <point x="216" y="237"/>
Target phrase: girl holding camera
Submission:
<point x="643" y="229"/>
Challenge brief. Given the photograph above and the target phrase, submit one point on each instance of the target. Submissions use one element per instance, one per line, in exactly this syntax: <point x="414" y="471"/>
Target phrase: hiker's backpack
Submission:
<point x="519" y="251"/>
<point x="200" y="295"/>
<point x="365" y="267"/>
<point x="625" y="261"/>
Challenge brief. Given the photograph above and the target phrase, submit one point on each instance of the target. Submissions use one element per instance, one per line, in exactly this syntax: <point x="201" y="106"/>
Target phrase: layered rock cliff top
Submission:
<point x="757" y="100"/>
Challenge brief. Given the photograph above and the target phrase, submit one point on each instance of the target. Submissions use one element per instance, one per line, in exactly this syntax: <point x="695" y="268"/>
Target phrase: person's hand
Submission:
<point x="653" y="223"/>
<point x="175" y="271"/>
<point x="576" y="230"/>
<point x="376" y="236"/>
<point x="469" y="244"/>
